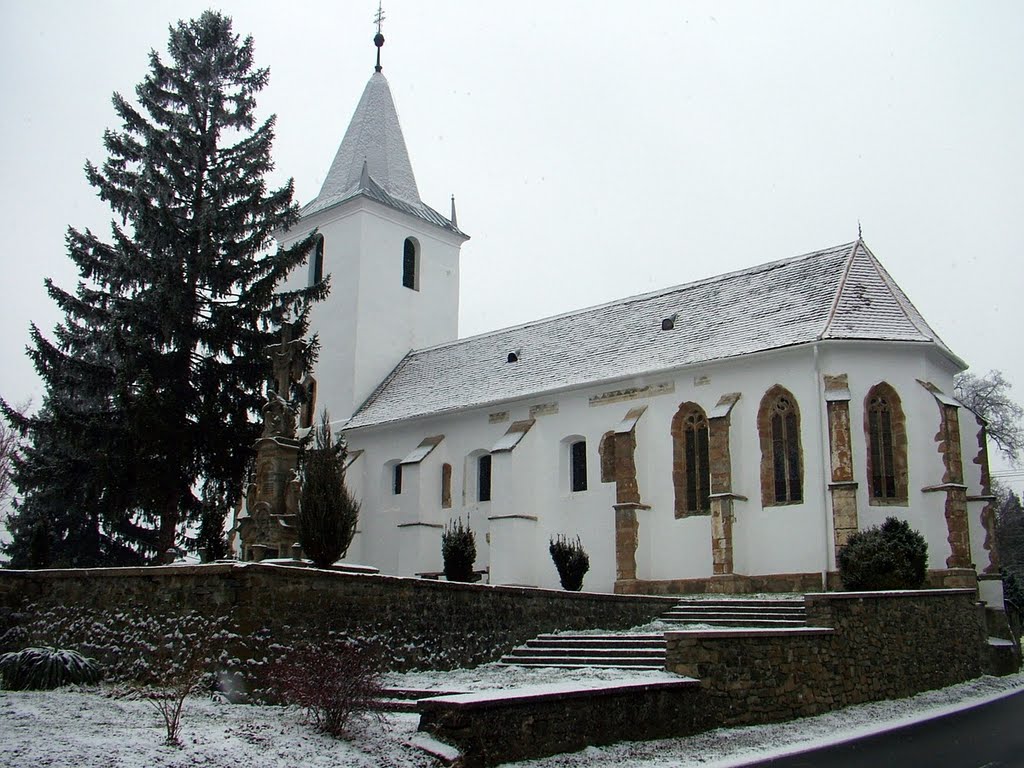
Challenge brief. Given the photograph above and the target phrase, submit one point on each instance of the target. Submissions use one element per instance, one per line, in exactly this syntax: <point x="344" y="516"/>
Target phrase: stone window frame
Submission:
<point x="779" y="433"/>
<point x="691" y="460"/>
<point x="446" y="486"/>
<point x="411" y="264"/>
<point x="892" y="449"/>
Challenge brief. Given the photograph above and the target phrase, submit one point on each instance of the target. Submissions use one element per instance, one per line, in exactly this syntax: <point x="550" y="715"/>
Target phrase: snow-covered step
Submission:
<point x="738" y="613"/>
<point x="641" y="651"/>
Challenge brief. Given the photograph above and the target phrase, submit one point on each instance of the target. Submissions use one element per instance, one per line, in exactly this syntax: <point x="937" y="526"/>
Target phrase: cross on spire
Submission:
<point x="378" y="39"/>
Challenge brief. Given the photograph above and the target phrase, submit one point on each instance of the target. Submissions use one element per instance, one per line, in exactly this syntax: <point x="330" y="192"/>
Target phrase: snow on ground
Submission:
<point x="76" y="728"/>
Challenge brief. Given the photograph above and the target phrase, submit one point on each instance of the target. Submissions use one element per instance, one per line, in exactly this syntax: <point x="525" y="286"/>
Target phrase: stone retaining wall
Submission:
<point x="251" y="612"/>
<point x="861" y="647"/>
<point x="516" y="724"/>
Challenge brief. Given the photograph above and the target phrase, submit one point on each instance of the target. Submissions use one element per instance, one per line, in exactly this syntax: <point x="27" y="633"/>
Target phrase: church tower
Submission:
<point x="393" y="260"/>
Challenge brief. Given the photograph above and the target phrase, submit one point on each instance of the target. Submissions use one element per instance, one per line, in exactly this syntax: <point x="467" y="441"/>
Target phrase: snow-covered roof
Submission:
<point x="837" y="293"/>
<point x="372" y="161"/>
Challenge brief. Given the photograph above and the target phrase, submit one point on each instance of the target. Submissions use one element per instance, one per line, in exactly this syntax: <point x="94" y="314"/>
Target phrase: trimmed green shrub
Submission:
<point x="41" y="669"/>
<point x="458" y="549"/>
<point x="328" y="511"/>
<point x="890" y="556"/>
<point x="571" y="560"/>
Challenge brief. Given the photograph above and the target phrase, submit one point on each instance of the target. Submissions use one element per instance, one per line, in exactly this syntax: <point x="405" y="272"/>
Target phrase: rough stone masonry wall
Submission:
<point x="860" y="647"/>
<point x="254" y="612"/>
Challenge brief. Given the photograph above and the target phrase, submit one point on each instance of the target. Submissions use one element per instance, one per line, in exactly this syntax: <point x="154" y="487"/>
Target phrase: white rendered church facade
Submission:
<point x="726" y="435"/>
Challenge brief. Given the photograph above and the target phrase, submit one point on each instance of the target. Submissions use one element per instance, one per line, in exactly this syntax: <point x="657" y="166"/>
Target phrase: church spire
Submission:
<point x="378" y="39"/>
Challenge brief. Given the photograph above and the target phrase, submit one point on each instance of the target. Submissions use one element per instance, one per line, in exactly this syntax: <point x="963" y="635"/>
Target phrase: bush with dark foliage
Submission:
<point x="571" y="560"/>
<point x="41" y="669"/>
<point x="890" y="556"/>
<point x="458" y="550"/>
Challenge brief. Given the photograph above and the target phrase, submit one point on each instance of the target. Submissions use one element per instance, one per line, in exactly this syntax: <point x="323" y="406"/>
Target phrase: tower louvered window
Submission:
<point x="317" y="272"/>
<point x="410" y="265"/>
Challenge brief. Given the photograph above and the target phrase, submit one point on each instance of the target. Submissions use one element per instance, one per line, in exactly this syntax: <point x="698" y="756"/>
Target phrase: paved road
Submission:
<point x="988" y="736"/>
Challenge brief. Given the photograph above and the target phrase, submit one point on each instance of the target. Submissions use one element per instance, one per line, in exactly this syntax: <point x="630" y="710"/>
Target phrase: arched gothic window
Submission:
<point x="778" y="425"/>
<point x="483" y="478"/>
<point x="316" y="268"/>
<point x="411" y="264"/>
<point x="885" y="429"/>
<point x="691" y="472"/>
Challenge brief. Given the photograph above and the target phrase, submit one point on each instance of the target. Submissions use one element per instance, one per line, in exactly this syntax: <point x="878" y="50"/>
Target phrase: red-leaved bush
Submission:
<point x="331" y="683"/>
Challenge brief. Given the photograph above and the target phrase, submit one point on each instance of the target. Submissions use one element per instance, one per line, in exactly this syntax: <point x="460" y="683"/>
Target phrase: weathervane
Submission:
<point x="378" y="39"/>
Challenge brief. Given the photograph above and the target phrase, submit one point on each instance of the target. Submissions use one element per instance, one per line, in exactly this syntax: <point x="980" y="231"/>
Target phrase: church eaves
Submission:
<point x="372" y="161"/>
<point x="836" y="293"/>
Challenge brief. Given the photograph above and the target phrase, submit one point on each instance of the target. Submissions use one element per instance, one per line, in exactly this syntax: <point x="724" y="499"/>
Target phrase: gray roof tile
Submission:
<point x="837" y="293"/>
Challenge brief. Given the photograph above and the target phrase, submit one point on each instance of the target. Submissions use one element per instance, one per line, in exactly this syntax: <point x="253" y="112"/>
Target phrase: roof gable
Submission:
<point x="836" y="293"/>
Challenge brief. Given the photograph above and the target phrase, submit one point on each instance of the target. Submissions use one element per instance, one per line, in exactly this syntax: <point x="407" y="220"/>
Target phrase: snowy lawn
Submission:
<point x="87" y="729"/>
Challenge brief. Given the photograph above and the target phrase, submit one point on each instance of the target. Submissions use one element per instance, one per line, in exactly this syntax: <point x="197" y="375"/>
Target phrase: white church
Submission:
<point x="725" y="435"/>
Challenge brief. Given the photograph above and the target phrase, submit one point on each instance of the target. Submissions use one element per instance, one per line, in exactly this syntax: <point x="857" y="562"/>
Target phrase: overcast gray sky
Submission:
<point x="596" y="149"/>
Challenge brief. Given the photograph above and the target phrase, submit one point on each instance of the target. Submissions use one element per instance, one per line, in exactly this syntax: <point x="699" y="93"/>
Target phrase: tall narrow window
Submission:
<point x="316" y="271"/>
<point x="446" y="486"/>
<point x="396" y="480"/>
<point x="578" y="466"/>
<point x="483" y="478"/>
<point x="691" y="465"/>
<point x="410" y="264"/>
<point x="778" y="424"/>
<point x="886" y="433"/>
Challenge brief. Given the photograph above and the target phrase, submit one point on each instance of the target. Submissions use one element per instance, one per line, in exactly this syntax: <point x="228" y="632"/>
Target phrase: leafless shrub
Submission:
<point x="333" y="684"/>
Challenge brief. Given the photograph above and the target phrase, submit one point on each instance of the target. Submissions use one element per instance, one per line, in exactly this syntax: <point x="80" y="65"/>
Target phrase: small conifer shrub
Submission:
<point x="571" y="560"/>
<point x="41" y="669"/>
<point x="890" y="556"/>
<point x="458" y="549"/>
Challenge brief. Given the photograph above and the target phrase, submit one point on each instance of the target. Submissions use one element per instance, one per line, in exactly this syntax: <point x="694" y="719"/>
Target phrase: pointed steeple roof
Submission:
<point x="372" y="161"/>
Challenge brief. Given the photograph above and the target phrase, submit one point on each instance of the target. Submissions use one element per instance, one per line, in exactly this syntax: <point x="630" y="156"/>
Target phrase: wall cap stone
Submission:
<point x="556" y="692"/>
<point x="886" y="594"/>
<point x="720" y="634"/>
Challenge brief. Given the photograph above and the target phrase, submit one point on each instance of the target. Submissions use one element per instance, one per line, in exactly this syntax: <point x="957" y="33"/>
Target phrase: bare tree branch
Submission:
<point x="988" y="396"/>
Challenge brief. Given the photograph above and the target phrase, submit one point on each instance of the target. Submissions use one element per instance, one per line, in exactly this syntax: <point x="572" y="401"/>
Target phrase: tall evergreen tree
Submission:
<point x="155" y="374"/>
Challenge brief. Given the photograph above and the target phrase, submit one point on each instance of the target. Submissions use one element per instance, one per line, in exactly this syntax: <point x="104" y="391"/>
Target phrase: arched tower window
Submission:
<point x="316" y="267"/>
<point x="411" y="264"/>
<point x="691" y="472"/>
<point x="778" y="425"/>
<point x="885" y="429"/>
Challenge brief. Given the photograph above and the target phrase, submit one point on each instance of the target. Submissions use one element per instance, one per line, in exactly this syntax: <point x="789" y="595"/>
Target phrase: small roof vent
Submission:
<point x="513" y="357"/>
<point x="669" y="322"/>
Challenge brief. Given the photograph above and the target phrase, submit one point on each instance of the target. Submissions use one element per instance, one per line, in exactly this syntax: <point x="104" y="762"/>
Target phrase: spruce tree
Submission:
<point x="327" y="511"/>
<point x="156" y="371"/>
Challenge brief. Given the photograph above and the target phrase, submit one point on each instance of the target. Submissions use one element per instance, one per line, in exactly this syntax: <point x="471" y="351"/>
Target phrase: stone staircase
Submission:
<point x="647" y="650"/>
<point x="620" y="651"/>
<point x="739" y="613"/>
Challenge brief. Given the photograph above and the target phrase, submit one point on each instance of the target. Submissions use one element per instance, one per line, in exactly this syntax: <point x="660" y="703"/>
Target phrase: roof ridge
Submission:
<point x="902" y="300"/>
<point x="839" y="289"/>
<point x="638" y="297"/>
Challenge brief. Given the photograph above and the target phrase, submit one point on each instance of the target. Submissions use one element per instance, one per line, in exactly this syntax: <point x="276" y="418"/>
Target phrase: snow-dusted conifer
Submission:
<point x="157" y="369"/>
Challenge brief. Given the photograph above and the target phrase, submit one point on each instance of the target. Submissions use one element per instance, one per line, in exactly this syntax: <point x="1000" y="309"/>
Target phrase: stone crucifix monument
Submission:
<point x="266" y="522"/>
